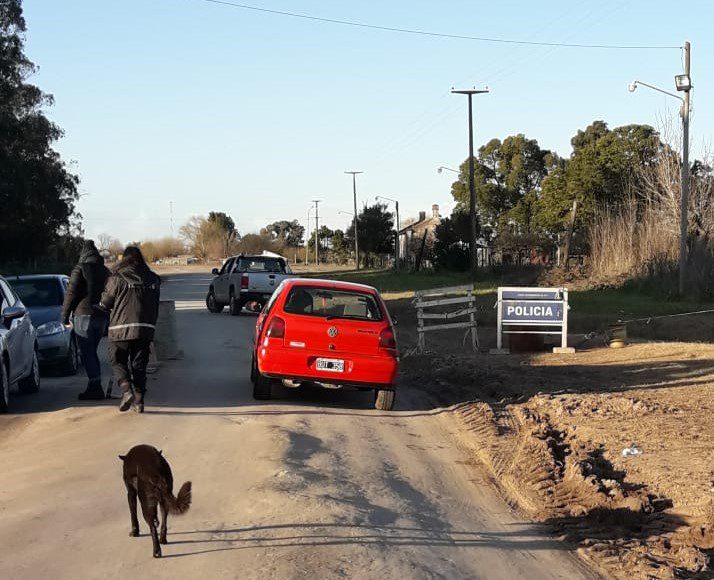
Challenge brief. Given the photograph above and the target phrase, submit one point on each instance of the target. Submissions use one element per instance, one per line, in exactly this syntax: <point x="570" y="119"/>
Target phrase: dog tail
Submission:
<point x="180" y="504"/>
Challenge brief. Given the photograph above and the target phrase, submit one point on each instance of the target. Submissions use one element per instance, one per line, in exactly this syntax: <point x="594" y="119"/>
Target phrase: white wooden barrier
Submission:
<point x="463" y="295"/>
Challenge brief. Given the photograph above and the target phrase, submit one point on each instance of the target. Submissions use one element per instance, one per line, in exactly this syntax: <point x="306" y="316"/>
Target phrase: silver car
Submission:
<point x="19" y="363"/>
<point x="43" y="296"/>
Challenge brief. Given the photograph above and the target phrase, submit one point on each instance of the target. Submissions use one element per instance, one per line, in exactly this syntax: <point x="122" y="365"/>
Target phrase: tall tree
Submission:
<point x="375" y="229"/>
<point x="286" y="233"/>
<point x="602" y="171"/>
<point x="506" y="172"/>
<point x="225" y="229"/>
<point x="451" y="246"/>
<point x="211" y="237"/>
<point x="339" y="247"/>
<point x="37" y="192"/>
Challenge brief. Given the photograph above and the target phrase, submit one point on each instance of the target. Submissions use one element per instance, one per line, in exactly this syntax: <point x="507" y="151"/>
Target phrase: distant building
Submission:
<point x="180" y="260"/>
<point x="412" y="236"/>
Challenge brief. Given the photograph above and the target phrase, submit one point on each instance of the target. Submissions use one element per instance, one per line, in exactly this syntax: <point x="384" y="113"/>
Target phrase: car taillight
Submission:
<point x="276" y="329"/>
<point x="244" y="282"/>
<point x="387" y="341"/>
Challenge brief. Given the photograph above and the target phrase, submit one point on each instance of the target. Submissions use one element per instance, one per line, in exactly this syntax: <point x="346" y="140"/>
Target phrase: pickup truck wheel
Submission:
<point x="212" y="304"/>
<point x="384" y="399"/>
<point x="235" y="305"/>
<point x="261" y="387"/>
<point x="31" y="383"/>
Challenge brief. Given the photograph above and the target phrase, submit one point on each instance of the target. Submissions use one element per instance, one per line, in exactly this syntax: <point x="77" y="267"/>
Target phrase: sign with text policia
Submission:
<point x="540" y="310"/>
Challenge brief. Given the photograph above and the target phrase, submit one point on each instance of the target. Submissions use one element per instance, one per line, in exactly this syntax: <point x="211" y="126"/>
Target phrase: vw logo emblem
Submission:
<point x="332" y="332"/>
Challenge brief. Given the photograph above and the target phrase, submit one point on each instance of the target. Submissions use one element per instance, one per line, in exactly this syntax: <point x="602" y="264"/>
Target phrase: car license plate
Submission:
<point x="331" y="365"/>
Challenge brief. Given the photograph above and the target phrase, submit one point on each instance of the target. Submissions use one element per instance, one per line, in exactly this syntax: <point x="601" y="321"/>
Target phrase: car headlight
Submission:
<point x="52" y="327"/>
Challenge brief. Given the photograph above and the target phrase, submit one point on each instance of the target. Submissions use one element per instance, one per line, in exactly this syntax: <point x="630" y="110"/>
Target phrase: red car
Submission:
<point x="328" y="333"/>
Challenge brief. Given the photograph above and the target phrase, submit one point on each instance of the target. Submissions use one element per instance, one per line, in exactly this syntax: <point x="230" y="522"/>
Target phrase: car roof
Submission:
<point x="334" y="284"/>
<point x="35" y="277"/>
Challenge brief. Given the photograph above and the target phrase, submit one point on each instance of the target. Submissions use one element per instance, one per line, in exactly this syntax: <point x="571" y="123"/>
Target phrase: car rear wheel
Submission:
<point x="212" y="304"/>
<point x="31" y="383"/>
<point x="384" y="399"/>
<point x="4" y="388"/>
<point x="235" y="305"/>
<point x="261" y="387"/>
<point x="71" y="363"/>
<point x="253" y="370"/>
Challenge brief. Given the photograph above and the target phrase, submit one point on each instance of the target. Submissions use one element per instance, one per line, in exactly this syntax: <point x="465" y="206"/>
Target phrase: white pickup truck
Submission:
<point x="244" y="280"/>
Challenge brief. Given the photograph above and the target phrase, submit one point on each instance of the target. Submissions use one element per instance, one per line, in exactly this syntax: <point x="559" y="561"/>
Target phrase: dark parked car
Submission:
<point x="18" y="347"/>
<point x="43" y="295"/>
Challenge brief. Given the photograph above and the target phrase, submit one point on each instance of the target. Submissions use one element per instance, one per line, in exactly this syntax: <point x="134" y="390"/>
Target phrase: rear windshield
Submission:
<point x="274" y="265"/>
<point x="39" y="292"/>
<point x="332" y="303"/>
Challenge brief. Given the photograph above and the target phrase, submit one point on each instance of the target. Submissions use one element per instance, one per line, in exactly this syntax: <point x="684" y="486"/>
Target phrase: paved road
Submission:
<point x="312" y="485"/>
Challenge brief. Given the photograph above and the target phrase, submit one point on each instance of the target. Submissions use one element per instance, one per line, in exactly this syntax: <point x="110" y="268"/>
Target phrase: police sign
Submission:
<point x="532" y="312"/>
<point x="533" y="308"/>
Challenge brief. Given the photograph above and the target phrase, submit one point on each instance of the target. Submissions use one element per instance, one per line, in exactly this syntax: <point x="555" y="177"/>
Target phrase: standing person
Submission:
<point x="80" y="308"/>
<point x="132" y="298"/>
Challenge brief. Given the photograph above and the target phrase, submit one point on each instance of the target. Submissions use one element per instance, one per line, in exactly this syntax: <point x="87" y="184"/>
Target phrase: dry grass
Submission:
<point x="640" y="239"/>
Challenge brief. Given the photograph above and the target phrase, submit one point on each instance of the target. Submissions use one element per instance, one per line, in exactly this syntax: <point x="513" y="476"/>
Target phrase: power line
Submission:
<point x="437" y="34"/>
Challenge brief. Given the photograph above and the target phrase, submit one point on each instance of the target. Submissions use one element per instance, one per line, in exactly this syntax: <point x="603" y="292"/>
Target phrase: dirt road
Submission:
<point x="314" y="484"/>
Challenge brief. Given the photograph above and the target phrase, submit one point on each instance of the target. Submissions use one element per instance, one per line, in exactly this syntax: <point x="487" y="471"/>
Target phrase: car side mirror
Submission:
<point x="214" y="271"/>
<point x="12" y="313"/>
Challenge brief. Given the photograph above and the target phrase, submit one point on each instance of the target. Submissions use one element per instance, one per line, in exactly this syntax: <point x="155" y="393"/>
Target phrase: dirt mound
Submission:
<point x="620" y="526"/>
<point x="551" y="429"/>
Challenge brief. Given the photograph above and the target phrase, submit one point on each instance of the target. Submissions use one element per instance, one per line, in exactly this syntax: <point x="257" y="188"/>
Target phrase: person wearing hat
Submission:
<point x="80" y="310"/>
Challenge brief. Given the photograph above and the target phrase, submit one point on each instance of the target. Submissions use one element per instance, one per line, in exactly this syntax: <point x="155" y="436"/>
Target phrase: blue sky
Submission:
<point x="216" y="108"/>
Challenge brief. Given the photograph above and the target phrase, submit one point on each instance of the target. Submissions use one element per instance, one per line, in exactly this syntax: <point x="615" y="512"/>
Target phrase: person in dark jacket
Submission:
<point x="80" y="308"/>
<point x="132" y="298"/>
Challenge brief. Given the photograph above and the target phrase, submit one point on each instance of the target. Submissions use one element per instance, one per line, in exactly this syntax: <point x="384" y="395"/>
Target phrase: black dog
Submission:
<point x="148" y="475"/>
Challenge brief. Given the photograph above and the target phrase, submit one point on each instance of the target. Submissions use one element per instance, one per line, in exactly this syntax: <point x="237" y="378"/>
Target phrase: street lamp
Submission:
<point x="354" y="175"/>
<point x="472" y="191"/>
<point x="396" y="205"/>
<point x="443" y="168"/>
<point x="683" y="83"/>
<point x="346" y="212"/>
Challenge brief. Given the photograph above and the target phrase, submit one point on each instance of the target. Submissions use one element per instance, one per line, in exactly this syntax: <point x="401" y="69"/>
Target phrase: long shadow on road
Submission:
<point x="530" y="537"/>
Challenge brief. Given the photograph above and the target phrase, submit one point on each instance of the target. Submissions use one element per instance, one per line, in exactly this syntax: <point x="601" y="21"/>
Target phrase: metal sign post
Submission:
<point x="542" y="310"/>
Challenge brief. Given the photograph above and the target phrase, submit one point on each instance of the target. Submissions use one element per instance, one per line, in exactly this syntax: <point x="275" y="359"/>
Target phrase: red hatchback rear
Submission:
<point x="328" y="333"/>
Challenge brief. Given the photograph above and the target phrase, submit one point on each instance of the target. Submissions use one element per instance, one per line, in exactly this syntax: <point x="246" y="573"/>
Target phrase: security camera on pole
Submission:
<point x="683" y="83"/>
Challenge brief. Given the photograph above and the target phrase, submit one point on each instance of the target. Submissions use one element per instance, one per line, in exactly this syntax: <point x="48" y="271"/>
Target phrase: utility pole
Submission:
<point x="472" y="191"/>
<point x="684" y="84"/>
<point x="171" y="216"/>
<point x="397" y="249"/>
<point x="684" y="224"/>
<point x="317" y="233"/>
<point x="307" y="238"/>
<point x="354" y="198"/>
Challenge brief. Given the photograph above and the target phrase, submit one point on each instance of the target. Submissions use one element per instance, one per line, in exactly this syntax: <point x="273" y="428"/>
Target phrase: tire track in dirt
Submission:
<point x="620" y="527"/>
